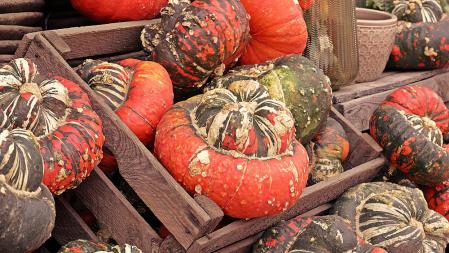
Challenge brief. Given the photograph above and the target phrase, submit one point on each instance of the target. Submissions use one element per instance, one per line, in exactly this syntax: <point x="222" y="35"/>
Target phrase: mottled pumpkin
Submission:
<point x="315" y="234"/>
<point x="438" y="198"/>
<point x="197" y="40"/>
<point x="277" y="28"/>
<point x="330" y="149"/>
<point x="84" y="246"/>
<point x="27" y="213"/>
<point x="59" y="114"/>
<point x="410" y="125"/>
<point x="428" y="11"/>
<point x="306" y="4"/>
<point x="237" y="146"/>
<point x="393" y="217"/>
<point x="421" y="46"/>
<point x="295" y="81"/>
<point x="139" y="92"/>
<point x="109" y="11"/>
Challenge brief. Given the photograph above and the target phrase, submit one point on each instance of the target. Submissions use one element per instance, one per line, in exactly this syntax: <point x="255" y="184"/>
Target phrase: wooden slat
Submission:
<point x="69" y="225"/>
<point x="173" y="206"/>
<point x="16" y="32"/>
<point x="116" y="38"/>
<point x="10" y="6"/>
<point x="24" y="45"/>
<point x="22" y="18"/>
<point x="8" y="46"/>
<point x="4" y="58"/>
<point x="246" y="245"/>
<point x="388" y="81"/>
<point x="134" y="55"/>
<point x="359" y="111"/>
<point x="59" y="23"/>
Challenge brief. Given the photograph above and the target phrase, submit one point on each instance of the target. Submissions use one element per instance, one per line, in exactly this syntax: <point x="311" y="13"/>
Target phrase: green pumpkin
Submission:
<point x="415" y="11"/>
<point x="293" y="80"/>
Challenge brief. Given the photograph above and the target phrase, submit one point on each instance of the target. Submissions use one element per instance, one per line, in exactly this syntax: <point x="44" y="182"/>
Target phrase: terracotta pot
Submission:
<point x="376" y="32"/>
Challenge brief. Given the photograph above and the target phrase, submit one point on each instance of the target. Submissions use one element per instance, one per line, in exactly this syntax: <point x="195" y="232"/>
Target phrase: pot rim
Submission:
<point x="390" y="19"/>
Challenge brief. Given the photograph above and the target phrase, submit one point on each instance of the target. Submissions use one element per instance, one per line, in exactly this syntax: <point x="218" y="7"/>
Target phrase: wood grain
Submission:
<point x="111" y="58"/>
<point x="116" y="38"/>
<point x="359" y="111"/>
<point x="59" y="23"/>
<point x="172" y="205"/>
<point x="16" y="32"/>
<point x="11" y="6"/>
<point x="388" y="81"/>
<point x="8" y="46"/>
<point x="69" y="225"/>
<point x="22" y="18"/>
<point x="5" y="58"/>
<point x="246" y="245"/>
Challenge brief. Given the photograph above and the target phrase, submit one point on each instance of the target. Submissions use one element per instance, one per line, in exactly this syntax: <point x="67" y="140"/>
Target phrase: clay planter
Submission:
<point x="376" y="31"/>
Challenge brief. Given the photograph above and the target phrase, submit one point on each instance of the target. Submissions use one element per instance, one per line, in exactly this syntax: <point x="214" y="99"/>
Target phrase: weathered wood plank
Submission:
<point x="69" y="225"/>
<point x="5" y="58"/>
<point x="10" y="6"/>
<point x="359" y="111"/>
<point x="388" y="81"/>
<point x="16" y="32"/>
<point x="173" y="206"/>
<point x="8" y="46"/>
<point x="22" y="18"/>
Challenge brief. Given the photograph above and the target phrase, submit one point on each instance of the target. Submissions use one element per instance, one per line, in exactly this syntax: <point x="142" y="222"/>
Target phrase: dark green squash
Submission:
<point x="393" y="217"/>
<point x="324" y="234"/>
<point x="421" y="46"/>
<point x="294" y="80"/>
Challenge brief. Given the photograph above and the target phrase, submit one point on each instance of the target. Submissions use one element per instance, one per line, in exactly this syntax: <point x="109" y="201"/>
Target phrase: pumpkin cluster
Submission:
<point x="51" y="139"/>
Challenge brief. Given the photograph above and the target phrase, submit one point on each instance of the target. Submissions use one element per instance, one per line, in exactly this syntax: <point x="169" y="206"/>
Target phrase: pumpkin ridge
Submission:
<point x="242" y="178"/>
<point x="255" y="40"/>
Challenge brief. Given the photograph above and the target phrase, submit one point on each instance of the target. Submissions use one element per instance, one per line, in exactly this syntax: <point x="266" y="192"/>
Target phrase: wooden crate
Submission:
<point x="357" y="102"/>
<point x="192" y="221"/>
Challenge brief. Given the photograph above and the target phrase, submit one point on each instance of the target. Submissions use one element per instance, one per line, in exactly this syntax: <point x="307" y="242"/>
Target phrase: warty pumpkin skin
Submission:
<point x="393" y="217"/>
<point x="237" y="147"/>
<point x="323" y="234"/>
<point x="59" y="114"/>
<point x="27" y="213"/>
<point x="196" y="40"/>
<point x="109" y="11"/>
<point x="277" y="28"/>
<point x="438" y="198"/>
<point x="295" y="81"/>
<point x="410" y="125"/>
<point x="421" y="46"/>
<point x="330" y="149"/>
<point x="139" y="92"/>
<point x="84" y="246"/>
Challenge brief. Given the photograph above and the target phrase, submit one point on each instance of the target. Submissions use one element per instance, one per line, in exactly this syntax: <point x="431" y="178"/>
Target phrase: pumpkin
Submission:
<point x="421" y="46"/>
<point x="295" y="81"/>
<point x="393" y="217"/>
<point x="438" y="198"/>
<point x="315" y="234"/>
<point x="306" y="4"/>
<point x="139" y="92"/>
<point x="198" y="40"/>
<point x="27" y="213"/>
<point x="84" y="246"/>
<point x="236" y="146"/>
<point x="277" y="28"/>
<point x="109" y="11"/>
<point x="331" y="147"/>
<point x="410" y="125"/>
<point x="428" y="11"/>
<point x="59" y="114"/>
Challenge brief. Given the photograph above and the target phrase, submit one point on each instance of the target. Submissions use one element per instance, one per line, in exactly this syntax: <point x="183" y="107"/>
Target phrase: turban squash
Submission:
<point x="196" y="40"/>
<point x="316" y="234"/>
<point x="330" y="148"/>
<point x="27" y="213"/>
<point x="295" y="81"/>
<point x="410" y="125"/>
<point x="59" y="115"/>
<point x="393" y="217"/>
<point x="415" y="11"/>
<point x="108" y="11"/>
<point x="84" y="246"/>
<point x="139" y="92"/>
<point x="277" y="28"/>
<point x="237" y="146"/>
<point x="421" y="46"/>
<point x="438" y="198"/>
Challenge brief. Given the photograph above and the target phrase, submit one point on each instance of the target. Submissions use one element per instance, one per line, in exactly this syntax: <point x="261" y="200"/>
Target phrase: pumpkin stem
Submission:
<point x="32" y="88"/>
